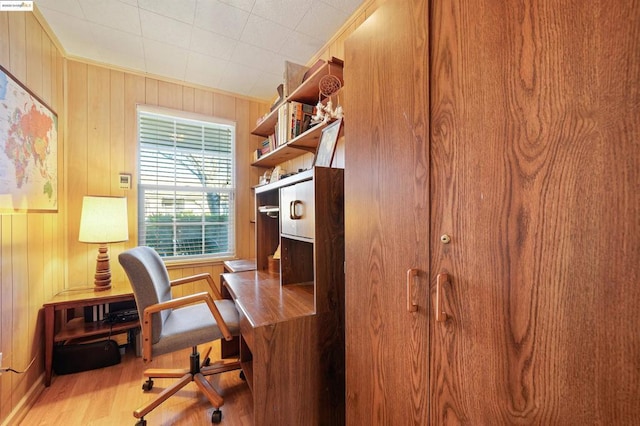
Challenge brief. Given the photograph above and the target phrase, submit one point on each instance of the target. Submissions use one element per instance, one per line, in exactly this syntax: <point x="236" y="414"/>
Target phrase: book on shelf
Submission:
<point x="301" y="115"/>
<point x="272" y="141"/>
<point x="294" y="118"/>
<point x="266" y="146"/>
<point x="283" y="126"/>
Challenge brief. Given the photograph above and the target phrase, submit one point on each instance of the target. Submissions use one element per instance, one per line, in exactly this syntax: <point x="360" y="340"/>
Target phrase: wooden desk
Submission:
<point x="288" y="351"/>
<point x="76" y="328"/>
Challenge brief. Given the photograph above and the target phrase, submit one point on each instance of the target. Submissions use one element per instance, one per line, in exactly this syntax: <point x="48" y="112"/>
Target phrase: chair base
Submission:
<point x="197" y="373"/>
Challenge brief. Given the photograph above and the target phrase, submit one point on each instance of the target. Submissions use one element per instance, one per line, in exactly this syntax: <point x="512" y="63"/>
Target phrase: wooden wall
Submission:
<point x="32" y="244"/>
<point x="102" y="131"/>
<point x="39" y="252"/>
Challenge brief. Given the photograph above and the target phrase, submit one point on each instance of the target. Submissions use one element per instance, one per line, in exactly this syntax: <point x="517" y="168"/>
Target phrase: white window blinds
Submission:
<point x="186" y="185"/>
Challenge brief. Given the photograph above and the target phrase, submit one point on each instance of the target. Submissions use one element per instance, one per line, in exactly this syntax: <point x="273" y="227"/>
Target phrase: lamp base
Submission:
<point x="101" y="287"/>
<point x="103" y="270"/>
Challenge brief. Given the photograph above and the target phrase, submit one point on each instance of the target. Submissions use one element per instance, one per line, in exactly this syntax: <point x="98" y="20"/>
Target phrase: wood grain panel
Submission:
<point x="47" y="65"/>
<point x="116" y="131"/>
<point x="17" y="37"/>
<point x="169" y="95"/>
<point x="34" y="296"/>
<point x="203" y="102"/>
<point x="20" y="347"/>
<point x="535" y="167"/>
<point x="224" y="106"/>
<point x="188" y="99"/>
<point x="98" y="131"/>
<point x="33" y="33"/>
<point x="77" y="169"/>
<point x="134" y="94"/>
<point x="151" y="91"/>
<point x="27" y="269"/>
<point x="284" y="389"/>
<point x="117" y="153"/>
<point x="245" y="179"/>
<point x="6" y="313"/>
<point x="4" y="39"/>
<point x="386" y="216"/>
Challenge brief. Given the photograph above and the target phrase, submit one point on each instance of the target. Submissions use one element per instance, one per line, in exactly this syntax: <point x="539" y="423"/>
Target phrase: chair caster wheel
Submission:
<point x="147" y="386"/>
<point x="207" y="362"/>
<point x="216" y="417"/>
<point x="242" y="376"/>
<point x="141" y="422"/>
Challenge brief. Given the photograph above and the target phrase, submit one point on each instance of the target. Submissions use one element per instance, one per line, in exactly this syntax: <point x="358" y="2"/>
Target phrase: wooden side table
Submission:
<point x="77" y="328"/>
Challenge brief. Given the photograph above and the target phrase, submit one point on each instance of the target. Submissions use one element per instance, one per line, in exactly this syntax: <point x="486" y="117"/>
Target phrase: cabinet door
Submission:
<point x="535" y="161"/>
<point x="386" y="217"/>
<point x="297" y="210"/>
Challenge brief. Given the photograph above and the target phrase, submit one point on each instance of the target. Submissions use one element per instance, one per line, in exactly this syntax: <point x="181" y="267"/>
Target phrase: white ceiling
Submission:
<point x="237" y="46"/>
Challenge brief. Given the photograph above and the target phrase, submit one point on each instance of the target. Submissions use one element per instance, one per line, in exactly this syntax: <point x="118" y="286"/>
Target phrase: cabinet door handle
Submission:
<point x="441" y="315"/>
<point x="292" y="210"/>
<point x="412" y="306"/>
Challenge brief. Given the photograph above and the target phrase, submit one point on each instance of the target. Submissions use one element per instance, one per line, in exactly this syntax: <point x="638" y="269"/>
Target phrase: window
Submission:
<point x="186" y="184"/>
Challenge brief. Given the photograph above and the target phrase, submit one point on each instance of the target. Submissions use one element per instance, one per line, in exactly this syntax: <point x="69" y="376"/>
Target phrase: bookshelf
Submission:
<point x="306" y="142"/>
<point x="306" y="93"/>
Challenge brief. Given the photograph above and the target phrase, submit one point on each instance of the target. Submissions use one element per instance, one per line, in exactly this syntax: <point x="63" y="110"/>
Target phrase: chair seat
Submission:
<point x="194" y="325"/>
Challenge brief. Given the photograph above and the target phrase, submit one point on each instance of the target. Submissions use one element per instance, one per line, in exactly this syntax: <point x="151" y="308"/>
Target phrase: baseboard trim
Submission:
<point x="26" y="402"/>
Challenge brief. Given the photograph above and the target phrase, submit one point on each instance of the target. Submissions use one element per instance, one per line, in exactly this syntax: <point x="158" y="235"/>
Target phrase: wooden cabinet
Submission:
<point x="387" y="219"/>
<point x="297" y="207"/>
<point x="292" y="323"/>
<point x="491" y="177"/>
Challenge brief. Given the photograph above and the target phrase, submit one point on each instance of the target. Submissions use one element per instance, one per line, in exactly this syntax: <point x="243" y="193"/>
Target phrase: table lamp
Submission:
<point x="103" y="221"/>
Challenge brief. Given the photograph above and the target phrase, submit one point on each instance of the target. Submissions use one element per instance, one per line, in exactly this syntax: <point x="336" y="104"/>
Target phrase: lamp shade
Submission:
<point x="104" y="220"/>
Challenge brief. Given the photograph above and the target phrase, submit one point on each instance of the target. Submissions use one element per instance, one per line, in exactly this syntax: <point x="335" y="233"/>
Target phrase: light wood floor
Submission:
<point x="108" y="396"/>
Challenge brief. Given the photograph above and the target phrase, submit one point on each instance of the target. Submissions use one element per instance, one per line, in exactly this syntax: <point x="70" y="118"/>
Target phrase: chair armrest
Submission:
<point x="198" y="277"/>
<point x="176" y="303"/>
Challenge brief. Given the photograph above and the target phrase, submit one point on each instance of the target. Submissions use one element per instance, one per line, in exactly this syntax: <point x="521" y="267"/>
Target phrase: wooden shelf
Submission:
<point x="280" y="155"/>
<point x="307" y="141"/>
<point x="307" y="93"/>
<point x="78" y="328"/>
<point x="267" y="126"/>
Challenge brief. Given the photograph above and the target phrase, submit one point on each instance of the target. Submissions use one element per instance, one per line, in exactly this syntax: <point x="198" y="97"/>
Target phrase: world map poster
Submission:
<point x="28" y="150"/>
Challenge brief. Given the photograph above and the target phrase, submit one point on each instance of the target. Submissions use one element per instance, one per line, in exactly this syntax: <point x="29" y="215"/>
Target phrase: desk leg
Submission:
<point x="49" y="325"/>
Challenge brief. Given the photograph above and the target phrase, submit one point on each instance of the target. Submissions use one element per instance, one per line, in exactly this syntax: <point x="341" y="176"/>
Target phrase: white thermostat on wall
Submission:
<point x="124" y="181"/>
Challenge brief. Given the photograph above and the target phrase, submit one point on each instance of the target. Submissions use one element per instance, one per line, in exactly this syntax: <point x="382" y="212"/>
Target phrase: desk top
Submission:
<point x="80" y="297"/>
<point x="264" y="301"/>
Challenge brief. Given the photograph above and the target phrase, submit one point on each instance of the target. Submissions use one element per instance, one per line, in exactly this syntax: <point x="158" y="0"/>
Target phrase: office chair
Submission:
<point x="171" y="324"/>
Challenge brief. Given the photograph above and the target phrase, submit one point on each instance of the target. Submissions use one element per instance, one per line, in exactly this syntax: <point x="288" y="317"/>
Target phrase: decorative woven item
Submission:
<point x="329" y="85"/>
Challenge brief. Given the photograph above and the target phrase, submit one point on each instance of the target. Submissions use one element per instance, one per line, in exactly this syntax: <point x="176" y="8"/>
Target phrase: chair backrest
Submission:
<point x="150" y="282"/>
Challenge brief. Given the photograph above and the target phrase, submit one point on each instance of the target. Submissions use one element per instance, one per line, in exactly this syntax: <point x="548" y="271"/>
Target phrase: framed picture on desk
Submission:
<point x="327" y="144"/>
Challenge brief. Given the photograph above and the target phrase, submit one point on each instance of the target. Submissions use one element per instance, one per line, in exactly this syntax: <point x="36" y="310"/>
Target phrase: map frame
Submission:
<point x="19" y="201"/>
